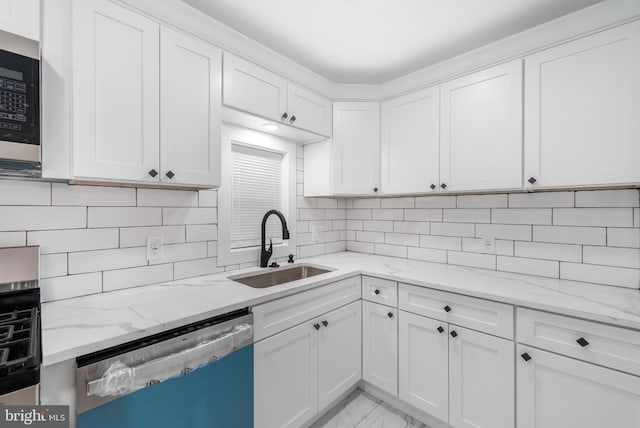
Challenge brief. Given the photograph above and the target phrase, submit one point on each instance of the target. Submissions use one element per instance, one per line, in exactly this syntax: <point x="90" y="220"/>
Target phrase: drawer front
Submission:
<point x="380" y="291"/>
<point x="274" y="317"/>
<point x="609" y="346"/>
<point x="476" y="314"/>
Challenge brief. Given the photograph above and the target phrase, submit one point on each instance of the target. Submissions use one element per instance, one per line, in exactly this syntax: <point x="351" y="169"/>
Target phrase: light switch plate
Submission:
<point x="154" y="248"/>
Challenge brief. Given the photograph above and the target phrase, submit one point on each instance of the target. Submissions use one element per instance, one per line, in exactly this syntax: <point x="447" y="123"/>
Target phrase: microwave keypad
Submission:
<point x="13" y="103"/>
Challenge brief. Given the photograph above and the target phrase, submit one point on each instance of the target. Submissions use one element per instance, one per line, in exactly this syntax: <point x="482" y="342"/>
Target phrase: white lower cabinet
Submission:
<point x="558" y="392"/>
<point x="380" y="346"/>
<point x="301" y="370"/>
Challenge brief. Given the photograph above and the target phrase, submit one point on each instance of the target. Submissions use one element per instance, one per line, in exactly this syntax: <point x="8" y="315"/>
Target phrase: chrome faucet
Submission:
<point x="265" y="254"/>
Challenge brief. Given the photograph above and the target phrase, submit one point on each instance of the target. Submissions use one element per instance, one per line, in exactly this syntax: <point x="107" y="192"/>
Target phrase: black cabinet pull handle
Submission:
<point x="325" y="323"/>
<point x="375" y="189"/>
<point x="582" y="342"/>
<point x="433" y="186"/>
<point x="377" y="291"/>
<point x="153" y="173"/>
<point x="170" y="174"/>
<point x="443" y="185"/>
<point x="293" y="119"/>
<point x="440" y="330"/>
<point x="532" y="180"/>
<point x="284" y="116"/>
<point x="454" y="334"/>
<point x="316" y="326"/>
<point x="526" y="356"/>
<point x="390" y="314"/>
<point x="447" y="308"/>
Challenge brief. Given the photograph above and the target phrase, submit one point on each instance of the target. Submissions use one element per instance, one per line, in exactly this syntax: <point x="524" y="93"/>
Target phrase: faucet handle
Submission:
<point x="270" y="250"/>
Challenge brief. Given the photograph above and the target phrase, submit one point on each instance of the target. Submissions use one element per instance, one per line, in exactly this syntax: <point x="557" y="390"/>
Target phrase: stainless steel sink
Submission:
<point x="277" y="276"/>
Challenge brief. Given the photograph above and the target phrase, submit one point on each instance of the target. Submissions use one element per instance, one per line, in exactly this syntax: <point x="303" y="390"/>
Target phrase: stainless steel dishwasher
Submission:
<point x="199" y="375"/>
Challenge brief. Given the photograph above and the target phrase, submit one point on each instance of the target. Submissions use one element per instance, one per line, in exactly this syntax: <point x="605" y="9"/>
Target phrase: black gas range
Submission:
<point x="20" y="338"/>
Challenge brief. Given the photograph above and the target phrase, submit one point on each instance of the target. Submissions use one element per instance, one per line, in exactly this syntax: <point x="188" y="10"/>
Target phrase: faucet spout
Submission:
<point x="265" y="254"/>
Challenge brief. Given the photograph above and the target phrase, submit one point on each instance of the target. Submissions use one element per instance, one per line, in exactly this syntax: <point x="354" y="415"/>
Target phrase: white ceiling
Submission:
<point x="374" y="41"/>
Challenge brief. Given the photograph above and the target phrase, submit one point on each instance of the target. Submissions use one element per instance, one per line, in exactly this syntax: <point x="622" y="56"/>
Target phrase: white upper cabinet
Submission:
<point x="355" y="159"/>
<point x="582" y="104"/>
<point x="481" y="130"/>
<point x="258" y="91"/>
<point x="21" y="17"/>
<point x="410" y="143"/>
<point x="116" y="100"/>
<point x="190" y="77"/>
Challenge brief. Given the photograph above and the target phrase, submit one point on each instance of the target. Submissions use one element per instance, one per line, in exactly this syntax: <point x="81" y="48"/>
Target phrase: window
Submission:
<point x="258" y="175"/>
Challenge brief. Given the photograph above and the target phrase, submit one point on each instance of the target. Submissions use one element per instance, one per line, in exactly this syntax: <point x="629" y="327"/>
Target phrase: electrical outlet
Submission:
<point x="154" y="248"/>
<point x="489" y="244"/>
<point x="316" y="234"/>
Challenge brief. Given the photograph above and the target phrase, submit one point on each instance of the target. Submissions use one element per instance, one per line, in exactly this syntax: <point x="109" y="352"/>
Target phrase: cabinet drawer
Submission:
<point x="477" y="314"/>
<point x="380" y="291"/>
<point x="606" y="345"/>
<point x="273" y="317"/>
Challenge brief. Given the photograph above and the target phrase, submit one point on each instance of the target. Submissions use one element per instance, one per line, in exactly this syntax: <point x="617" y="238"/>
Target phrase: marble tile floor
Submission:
<point x="361" y="410"/>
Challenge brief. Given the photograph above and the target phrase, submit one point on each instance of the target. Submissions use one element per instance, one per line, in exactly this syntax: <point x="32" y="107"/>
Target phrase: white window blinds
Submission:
<point x="256" y="187"/>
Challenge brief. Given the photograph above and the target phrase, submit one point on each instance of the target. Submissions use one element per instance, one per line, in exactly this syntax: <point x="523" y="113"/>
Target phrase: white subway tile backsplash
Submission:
<point x="190" y="268"/>
<point x="327" y="203"/>
<point x="359" y="214"/>
<point x="339" y="224"/>
<point x="13" y="239"/>
<point x="208" y="198"/>
<point x="70" y="240"/>
<point x="52" y="265"/>
<point x="608" y="198"/>
<point x="619" y="237"/>
<point x="476" y="245"/>
<point x="20" y="218"/>
<point x="616" y="276"/>
<point x="311" y="250"/>
<point x="417" y="227"/>
<point x="482" y="201"/>
<point x="436" y="202"/>
<point x="398" y="203"/>
<point x="100" y="260"/>
<point x="378" y="225"/>
<point x="453" y="229"/>
<point x="127" y="278"/>
<point x="570" y="235"/>
<point x="476" y="260"/>
<point x="65" y="287"/>
<point x="366" y="203"/>
<point x="122" y="217"/>
<point x="137" y="236"/>
<point x="504" y="231"/>
<point x="175" y="216"/>
<point x="427" y="254"/>
<point x="181" y="252"/>
<point x="167" y="198"/>
<point x="387" y="214"/>
<point x="350" y="235"/>
<point x="302" y="202"/>
<point x="334" y="214"/>
<point x="13" y="192"/>
<point x="334" y="247"/>
<point x="521" y="216"/>
<point x="355" y="224"/>
<point x="612" y="256"/>
<point x="636" y="217"/>
<point x="541" y="200"/>
<point x="360" y="247"/>
<point x="441" y="242"/>
<point x="423" y="214"/>
<point x="390" y="250"/>
<point x="529" y="266"/>
<point x="542" y="250"/>
<point x="611" y="217"/>
<point x="407" y="239"/>
<point x="202" y="232"/>
<point x="330" y="236"/>
<point x="212" y="249"/>
<point x="466" y="215"/>
<point x="323" y="224"/>
<point x="304" y="238"/>
<point x="97" y="196"/>
<point x="311" y="214"/>
<point x="370" y="236"/>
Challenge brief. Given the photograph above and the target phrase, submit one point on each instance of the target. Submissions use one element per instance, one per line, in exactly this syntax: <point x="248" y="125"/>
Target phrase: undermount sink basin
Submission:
<point x="277" y="276"/>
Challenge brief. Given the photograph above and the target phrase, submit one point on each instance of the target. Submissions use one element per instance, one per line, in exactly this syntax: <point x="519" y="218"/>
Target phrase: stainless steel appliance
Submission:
<point x="19" y="106"/>
<point x="181" y="377"/>
<point x="20" y="340"/>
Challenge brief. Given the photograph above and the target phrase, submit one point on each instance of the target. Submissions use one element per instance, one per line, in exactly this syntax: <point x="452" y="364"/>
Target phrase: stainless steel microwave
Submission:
<point x="19" y="106"/>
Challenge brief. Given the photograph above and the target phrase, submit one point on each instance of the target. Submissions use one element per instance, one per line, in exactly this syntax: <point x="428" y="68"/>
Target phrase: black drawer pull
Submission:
<point x="526" y="356"/>
<point x="153" y="173"/>
<point x="447" y="308"/>
<point x="582" y="342"/>
<point x="453" y="334"/>
<point x="390" y="314"/>
<point x="440" y="330"/>
<point x="376" y="291"/>
<point x="316" y="326"/>
<point x="170" y="174"/>
<point x="284" y="116"/>
<point x="325" y="323"/>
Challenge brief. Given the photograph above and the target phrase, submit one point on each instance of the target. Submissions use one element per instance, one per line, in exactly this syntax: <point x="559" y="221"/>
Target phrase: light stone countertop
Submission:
<point x="87" y="324"/>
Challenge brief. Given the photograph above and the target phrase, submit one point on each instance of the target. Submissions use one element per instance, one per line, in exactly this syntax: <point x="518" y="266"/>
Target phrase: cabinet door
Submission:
<point x="481" y="129"/>
<point x="380" y="346"/>
<point x="481" y="380"/>
<point x="253" y="89"/>
<point x="424" y="364"/>
<point x="339" y="352"/>
<point x="582" y="104"/>
<point x="115" y="93"/>
<point x="411" y="143"/>
<point x="559" y="392"/>
<point x="286" y="378"/>
<point x="308" y="110"/>
<point x="21" y="17"/>
<point x="356" y="148"/>
<point x="191" y="72"/>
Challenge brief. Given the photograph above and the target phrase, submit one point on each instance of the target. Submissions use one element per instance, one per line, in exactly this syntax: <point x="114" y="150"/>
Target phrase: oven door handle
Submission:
<point x="119" y="379"/>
